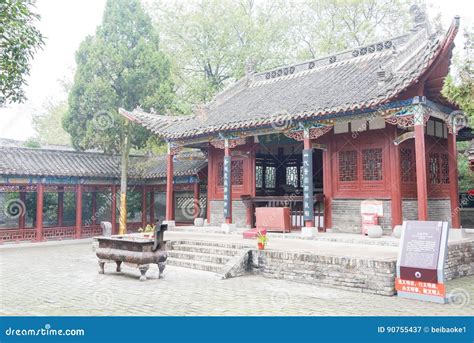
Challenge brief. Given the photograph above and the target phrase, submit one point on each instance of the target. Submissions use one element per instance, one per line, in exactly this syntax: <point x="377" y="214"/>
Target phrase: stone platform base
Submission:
<point x="366" y="275"/>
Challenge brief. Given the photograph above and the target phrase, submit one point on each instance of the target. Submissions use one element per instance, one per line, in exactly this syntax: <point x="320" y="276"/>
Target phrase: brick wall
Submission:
<point x="346" y="216"/>
<point x="346" y="213"/>
<point x="354" y="274"/>
<point x="239" y="212"/>
<point x="438" y="209"/>
<point x="460" y="260"/>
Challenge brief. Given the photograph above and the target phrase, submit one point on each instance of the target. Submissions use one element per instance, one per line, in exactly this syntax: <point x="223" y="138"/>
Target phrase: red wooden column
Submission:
<point x="94" y="206"/>
<point x="308" y="146"/>
<point x="227" y="154"/>
<point x="169" y="187"/>
<point x="420" y="153"/>
<point x="250" y="210"/>
<point x="39" y="212"/>
<point x="113" y="209"/>
<point x="22" y="217"/>
<point x="327" y="186"/>
<point x="453" y="181"/>
<point x="144" y="209"/>
<point x="197" y="207"/>
<point x="78" y="210"/>
<point x="152" y="206"/>
<point x="60" y="206"/>
<point x="395" y="180"/>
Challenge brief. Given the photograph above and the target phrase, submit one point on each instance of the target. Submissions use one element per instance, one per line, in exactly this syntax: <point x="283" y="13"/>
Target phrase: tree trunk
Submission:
<point x="123" y="179"/>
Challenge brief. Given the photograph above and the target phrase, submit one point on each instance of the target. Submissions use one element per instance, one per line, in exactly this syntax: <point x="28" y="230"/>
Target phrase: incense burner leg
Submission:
<point x="161" y="268"/>
<point x="143" y="269"/>
<point x="101" y="267"/>
<point x="119" y="266"/>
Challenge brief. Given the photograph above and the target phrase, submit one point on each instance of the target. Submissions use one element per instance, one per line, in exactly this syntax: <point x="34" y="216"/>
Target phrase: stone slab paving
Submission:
<point x="63" y="280"/>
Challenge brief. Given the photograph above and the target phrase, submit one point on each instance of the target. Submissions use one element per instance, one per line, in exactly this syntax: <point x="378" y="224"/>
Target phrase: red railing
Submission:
<point x="16" y="235"/>
<point x="57" y="233"/>
<point x="91" y="231"/>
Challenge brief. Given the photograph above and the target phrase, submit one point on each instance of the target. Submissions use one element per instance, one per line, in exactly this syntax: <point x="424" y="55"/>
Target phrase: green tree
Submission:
<point x="459" y="85"/>
<point x="459" y="88"/>
<point x="212" y="42"/>
<point x="19" y="40"/>
<point x="48" y="126"/>
<point x="120" y="66"/>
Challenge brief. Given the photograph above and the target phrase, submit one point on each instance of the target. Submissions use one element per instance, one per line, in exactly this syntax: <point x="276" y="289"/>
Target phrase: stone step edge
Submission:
<point x="238" y="265"/>
<point x="191" y="253"/>
<point x="191" y="264"/>
<point x="183" y="247"/>
<point x="209" y="243"/>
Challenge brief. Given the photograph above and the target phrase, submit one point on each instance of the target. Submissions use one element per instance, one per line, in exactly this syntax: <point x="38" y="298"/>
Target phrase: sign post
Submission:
<point x="420" y="263"/>
<point x="227" y="186"/>
<point x="308" y="199"/>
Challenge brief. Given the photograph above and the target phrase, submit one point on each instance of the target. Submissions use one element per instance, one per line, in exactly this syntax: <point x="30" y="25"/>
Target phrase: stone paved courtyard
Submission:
<point x="63" y="280"/>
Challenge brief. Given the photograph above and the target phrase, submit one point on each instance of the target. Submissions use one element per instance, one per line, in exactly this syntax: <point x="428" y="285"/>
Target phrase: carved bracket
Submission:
<point x="406" y="117"/>
<point x="314" y="133"/>
<point x="233" y="142"/>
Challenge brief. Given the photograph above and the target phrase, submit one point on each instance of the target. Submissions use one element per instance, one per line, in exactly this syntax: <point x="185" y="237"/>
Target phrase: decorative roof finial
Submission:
<point x="419" y="18"/>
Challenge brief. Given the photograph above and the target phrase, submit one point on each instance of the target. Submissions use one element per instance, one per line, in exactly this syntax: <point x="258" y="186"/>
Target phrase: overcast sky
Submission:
<point x="66" y="23"/>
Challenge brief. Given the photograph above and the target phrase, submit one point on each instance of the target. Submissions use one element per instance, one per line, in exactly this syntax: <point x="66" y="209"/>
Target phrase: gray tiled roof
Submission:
<point x="342" y="82"/>
<point x="43" y="162"/>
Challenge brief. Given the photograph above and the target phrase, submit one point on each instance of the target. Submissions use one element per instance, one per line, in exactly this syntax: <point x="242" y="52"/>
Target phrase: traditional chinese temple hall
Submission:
<point x="322" y="137"/>
<point x="310" y="142"/>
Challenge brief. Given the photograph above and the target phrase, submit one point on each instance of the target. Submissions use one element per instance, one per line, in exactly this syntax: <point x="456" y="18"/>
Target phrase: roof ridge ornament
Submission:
<point x="419" y="18"/>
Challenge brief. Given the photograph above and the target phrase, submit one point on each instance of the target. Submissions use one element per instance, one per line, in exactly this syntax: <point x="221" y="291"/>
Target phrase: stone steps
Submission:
<point x="216" y="257"/>
<point x="206" y="249"/>
<point x="193" y="264"/>
<point x="199" y="256"/>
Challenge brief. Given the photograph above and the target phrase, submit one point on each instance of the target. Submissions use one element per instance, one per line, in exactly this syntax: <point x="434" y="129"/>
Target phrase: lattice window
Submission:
<point x="434" y="167"/>
<point x="292" y="176"/>
<point x="372" y="164"/>
<point x="220" y="174"/>
<point x="259" y="177"/>
<point x="444" y="168"/>
<point x="408" y="165"/>
<point x="237" y="173"/>
<point x="348" y="165"/>
<point x="270" y="177"/>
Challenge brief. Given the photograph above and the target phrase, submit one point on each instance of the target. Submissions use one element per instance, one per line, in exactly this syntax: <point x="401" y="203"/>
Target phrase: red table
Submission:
<point x="273" y="218"/>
